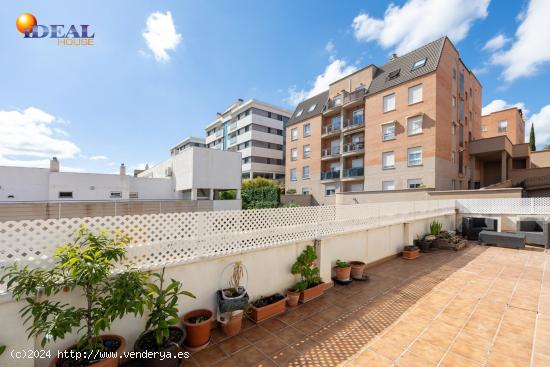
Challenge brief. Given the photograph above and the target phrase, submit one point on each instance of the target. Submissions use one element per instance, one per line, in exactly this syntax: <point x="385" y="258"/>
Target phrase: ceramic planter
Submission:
<point x="342" y="274"/>
<point x="108" y="362"/>
<point x="198" y="334"/>
<point x="173" y="348"/>
<point x="228" y="304"/>
<point x="312" y="293"/>
<point x="411" y="252"/>
<point x="292" y="298"/>
<point x="232" y="322"/>
<point x="266" y="312"/>
<point x="357" y="269"/>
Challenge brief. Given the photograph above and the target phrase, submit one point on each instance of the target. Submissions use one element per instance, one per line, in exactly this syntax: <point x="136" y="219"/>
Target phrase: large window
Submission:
<point x="388" y="185"/>
<point x="414" y="183"/>
<point x="305" y="172"/>
<point x="388" y="160"/>
<point x="307" y="151"/>
<point x="293" y="154"/>
<point x="389" y="102"/>
<point x="415" y="94"/>
<point x="414" y="125"/>
<point x="358" y="116"/>
<point x="293" y="174"/>
<point x="294" y="133"/>
<point x="307" y="130"/>
<point x="388" y="131"/>
<point x="414" y="156"/>
<point x="502" y="126"/>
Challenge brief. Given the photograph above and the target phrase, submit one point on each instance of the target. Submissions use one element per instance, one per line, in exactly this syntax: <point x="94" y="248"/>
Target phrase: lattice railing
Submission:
<point x="522" y="206"/>
<point x="172" y="238"/>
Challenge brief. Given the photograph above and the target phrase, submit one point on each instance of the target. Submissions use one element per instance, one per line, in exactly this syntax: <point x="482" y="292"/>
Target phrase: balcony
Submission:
<point x="232" y="126"/>
<point x="219" y="133"/>
<point x="232" y="141"/>
<point x="354" y="98"/>
<point x="334" y="106"/>
<point x="353" y="124"/>
<point x="330" y="153"/>
<point x="354" y="173"/>
<point x="354" y="148"/>
<point x="330" y="130"/>
<point x="330" y="175"/>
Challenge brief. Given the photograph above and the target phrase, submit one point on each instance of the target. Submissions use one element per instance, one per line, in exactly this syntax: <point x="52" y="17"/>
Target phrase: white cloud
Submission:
<point x="496" y="43"/>
<point x="500" y="104"/>
<point x="161" y="35"/>
<point x="337" y="69"/>
<point x="329" y="47"/>
<point x="530" y="47"/>
<point x="26" y="136"/>
<point x="418" y="22"/>
<point x="542" y="126"/>
<point x="99" y="158"/>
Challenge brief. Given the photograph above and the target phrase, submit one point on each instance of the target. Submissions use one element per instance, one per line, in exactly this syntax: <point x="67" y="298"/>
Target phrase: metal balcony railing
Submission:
<point x="350" y="123"/>
<point x="330" y="152"/>
<point x="330" y="175"/>
<point x="329" y="129"/>
<point x="354" y="96"/>
<point x="354" y="172"/>
<point x="354" y="147"/>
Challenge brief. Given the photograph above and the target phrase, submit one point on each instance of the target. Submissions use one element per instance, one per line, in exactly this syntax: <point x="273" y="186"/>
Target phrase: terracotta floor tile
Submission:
<point x="456" y="360"/>
<point x="427" y="352"/>
<point x="289" y="335"/>
<point x="386" y="349"/>
<point x="307" y="326"/>
<point x="469" y="349"/>
<point x="285" y="357"/>
<point x="255" y="333"/>
<point x="270" y="345"/>
<point x="541" y="360"/>
<point x="233" y="344"/>
<point x="209" y="356"/>
<point x="273" y="325"/>
<point x="500" y="360"/>
<point x="249" y="356"/>
<point x="514" y="350"/>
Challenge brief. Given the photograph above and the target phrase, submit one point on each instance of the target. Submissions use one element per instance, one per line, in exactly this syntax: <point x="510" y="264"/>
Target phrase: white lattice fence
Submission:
<point x="172" y="238"/>
<point x="534" y="206"/>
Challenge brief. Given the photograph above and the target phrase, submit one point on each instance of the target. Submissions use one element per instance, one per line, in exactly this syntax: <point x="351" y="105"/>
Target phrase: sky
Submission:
<point x="160" y="70"/>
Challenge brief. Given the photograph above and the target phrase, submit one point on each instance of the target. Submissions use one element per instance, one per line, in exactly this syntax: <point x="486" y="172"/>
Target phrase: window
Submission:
<point x="330" y="190"/>
<point x="293" y="154"/>
<point x="306" y="191"/>
<point x="484" y="128"/>
<point x="414" y="156"/>
<point x="307" y="151"/>
<point x="454" y="73"/>
<point x="335" y="122"/>
<point x="307" y="130"/>
<point x="337" y="100"/>
<point x="134" y="195"/>
<point x="414" y="125"/>
<point x="305" y="172"/>
<point x="394" y="74"/>
<point x="389" y="102"/>
<point x="460" y="162"/>
<point x="312" y="107"/>
<point x="293" y="174"/>
<point x="419" y="64"/>
<point x="388" y="185"/>
<point x="65" y="194"/>
<point x="414" y="183"/>
<point x="388" y="160"/>
<point x="299" y="113"/>
<point x="388" y="131"/>
<point x="358" y="116"/>
<point x="454" y="102"/>
<point x="115" y="195"/>
<point x="294" y="134"/>
<point x="502" y="126"/>
<point x="415" y="94"/>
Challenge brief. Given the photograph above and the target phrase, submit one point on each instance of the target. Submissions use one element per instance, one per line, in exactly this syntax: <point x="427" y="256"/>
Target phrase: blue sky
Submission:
<point x="130" y="97"/>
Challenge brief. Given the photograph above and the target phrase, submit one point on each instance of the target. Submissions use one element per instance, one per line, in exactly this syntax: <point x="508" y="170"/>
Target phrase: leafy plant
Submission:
<point x="259" y="192"/>
<point x="2" y="349"/>
<point x="342" y="264"/>
<point x="305" y="267"/>
<point x="87" y="264"/>
<point x="227" y="195"/>
<point x="435" y="228"/>
<point x="163" y="305"/>
<point x="259" y="182"/>
<point x="291" y="191"/>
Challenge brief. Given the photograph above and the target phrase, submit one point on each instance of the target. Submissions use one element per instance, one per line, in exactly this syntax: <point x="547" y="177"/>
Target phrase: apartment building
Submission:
<point x="507" y="122"/>
<point x="256" y="130"/>
<point x="188" y="142"/>
<point x="403" y="125"/>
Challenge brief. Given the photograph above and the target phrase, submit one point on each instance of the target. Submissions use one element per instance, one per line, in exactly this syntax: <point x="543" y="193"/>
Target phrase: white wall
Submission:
<point x="25" y="184"/>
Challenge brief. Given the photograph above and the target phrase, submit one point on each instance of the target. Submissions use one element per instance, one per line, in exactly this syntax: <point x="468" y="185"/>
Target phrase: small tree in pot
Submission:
<point x="86" y="264"/>
<point x="310" y="284"/>
<point x="161" y="333"/>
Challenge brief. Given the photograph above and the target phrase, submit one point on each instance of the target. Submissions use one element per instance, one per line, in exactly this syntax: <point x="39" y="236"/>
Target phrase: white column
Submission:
<point x="193" y="194"/>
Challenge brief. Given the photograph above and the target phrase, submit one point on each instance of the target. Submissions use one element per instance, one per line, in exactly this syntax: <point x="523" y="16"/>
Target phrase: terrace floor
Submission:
<point x="482" y="306"/>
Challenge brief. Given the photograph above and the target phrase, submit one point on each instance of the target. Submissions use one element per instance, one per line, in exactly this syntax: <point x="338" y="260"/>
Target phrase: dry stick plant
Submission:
<point x="236" y="276"/>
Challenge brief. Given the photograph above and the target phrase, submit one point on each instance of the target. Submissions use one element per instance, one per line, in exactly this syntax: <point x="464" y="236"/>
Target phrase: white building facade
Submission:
<point x="256" y="130"/>
<point x="190" y="141"/>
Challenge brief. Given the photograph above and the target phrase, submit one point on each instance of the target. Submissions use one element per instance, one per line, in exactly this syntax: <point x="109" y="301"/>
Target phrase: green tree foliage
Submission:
<point x="227" y="195"/>
<point x="260" y="193"/>
<point x="306" y="268"/>
<point x="532" y="141"/>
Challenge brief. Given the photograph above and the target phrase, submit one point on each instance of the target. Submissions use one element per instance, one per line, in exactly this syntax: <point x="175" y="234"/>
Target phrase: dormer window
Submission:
<point x="394" y="74"/>
<point x="312" y="107"/>
<point x="299" y="113"/>
<point x="419" y="64"/>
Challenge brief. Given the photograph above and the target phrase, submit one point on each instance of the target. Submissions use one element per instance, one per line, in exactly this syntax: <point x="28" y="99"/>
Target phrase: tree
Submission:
<point x="532" y="142"/>
<point x="260" y="193"/>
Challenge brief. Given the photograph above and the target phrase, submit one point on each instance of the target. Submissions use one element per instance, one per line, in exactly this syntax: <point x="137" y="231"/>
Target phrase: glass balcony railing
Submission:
<point x="219" y="133"/>
<point x="354" y="172"/>
<point x="354" y="147"/>
<point x="330" y="175"/>
<point x="355" y="122"/>
<point x="329" y="129"/>
<point x="330" y="152"/>
<point x="232" y="126"/>
<point x="355" y="95"/>
<point x="233" y="141"/>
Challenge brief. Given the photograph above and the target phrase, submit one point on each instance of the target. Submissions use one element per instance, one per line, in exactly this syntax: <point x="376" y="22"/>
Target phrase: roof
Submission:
<point x="319" y="101"/>
<point x="431" y="51"/>
<point x="188" y="139"/>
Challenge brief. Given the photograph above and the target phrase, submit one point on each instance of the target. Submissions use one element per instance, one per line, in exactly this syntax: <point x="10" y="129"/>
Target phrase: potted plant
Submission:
<point x="343" y="270"/>
<point x="198" y="326"/>
<point x="310" y="284"/>
<point x="161" y="333"/>
<point x="266" y="307"/>
<point x="233" y="299"/>
<point x="293" y="294"/>
<point x="411" y="252"/>
<point x="357" y="269"/>
<point x="417" y="242"/>
<point x="86" y="264"/>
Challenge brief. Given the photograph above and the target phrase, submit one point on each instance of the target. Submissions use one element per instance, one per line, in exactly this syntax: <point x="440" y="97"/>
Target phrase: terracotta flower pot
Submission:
<point x="232" y="326"/>
<point x="198" y="334"/>
<point x="258" y="314"/>
<point x="143" y="343"/>
<point x="292" y="298"/>
<point x="108" y="362"/>
<point x="312" y="293"/>
<point x="411" y="253"/>
<point x="357" y="269"/>
<point x="343" y="274"/>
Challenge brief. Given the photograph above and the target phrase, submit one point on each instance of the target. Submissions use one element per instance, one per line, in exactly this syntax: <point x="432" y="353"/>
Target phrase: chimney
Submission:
<point x="122" y="169"/>
<point x="393" y="57"/>
<point x="54" y="165"/>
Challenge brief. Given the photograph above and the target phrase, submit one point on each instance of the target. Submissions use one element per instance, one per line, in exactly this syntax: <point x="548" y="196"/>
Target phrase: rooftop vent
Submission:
<point x="393" y="57"/>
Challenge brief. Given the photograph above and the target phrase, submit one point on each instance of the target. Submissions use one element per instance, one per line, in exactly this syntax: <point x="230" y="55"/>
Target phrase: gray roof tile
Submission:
<point x="319" y="101"/>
